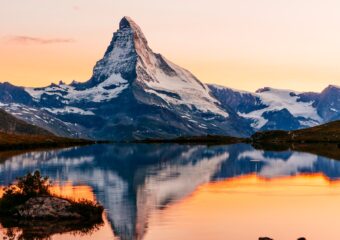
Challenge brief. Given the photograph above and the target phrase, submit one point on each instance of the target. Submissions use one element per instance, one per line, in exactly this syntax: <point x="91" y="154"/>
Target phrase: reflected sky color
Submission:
<point x="242" y="44"/>
<point x="249" y="207"/>
<point x="170" y="191"/>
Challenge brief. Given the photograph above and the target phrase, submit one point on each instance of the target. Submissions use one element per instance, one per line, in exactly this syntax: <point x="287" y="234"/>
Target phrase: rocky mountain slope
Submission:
<point x="274" y="109"/>
<point x="16" y="133"/>
<point x="134" y="93"/>
<point x="137" y="94"/>
<point x="12" y="125"/>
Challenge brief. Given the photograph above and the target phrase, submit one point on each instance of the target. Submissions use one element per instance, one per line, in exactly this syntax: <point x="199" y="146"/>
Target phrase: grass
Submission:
<point x="16" y="141"/>
<point x="329" y="133"/>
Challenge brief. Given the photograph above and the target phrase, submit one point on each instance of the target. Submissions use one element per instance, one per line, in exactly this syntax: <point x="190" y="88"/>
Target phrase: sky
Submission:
<point x="243" y="44"/>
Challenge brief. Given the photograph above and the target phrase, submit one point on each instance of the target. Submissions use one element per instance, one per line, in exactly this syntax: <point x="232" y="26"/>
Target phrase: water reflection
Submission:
<point x="13" y="229"/>
<point x="133" y="181"/>
<point x="26" y="229"/>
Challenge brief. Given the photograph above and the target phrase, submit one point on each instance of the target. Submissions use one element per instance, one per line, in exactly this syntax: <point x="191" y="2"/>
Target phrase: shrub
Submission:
<point x="31" y="185"/>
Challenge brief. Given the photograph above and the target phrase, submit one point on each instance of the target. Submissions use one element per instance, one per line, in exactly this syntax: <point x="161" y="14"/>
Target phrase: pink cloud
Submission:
<point x="38" y="40"/>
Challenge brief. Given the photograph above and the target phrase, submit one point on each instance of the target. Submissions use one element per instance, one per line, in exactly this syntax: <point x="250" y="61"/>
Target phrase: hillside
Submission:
<point x="15" y="133"/>
<point x="11" y="124"/>
<point x="15" y="141"/>
<point x="329" y="132"/>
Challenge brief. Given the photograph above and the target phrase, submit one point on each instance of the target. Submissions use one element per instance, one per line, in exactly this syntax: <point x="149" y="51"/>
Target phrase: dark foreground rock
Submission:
<point x="54" y="208"/>
<point x="47" y="207"/>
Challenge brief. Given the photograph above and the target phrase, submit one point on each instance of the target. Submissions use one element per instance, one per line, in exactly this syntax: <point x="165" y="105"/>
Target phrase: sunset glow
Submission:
<point x="249" y="207"/>
<point x="79" y="192"/>
<point x="241" y="44"/>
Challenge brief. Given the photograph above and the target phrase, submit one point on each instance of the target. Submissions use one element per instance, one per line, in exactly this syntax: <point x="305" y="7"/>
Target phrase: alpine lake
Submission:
<point x="180" y="191"/>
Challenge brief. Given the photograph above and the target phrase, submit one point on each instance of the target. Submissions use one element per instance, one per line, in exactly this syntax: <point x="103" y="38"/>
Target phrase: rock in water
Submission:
<point x="47" y="208"/>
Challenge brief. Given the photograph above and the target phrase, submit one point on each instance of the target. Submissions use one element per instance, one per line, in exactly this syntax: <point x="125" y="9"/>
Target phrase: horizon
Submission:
<point x="163" y="120"/>
<point x="231" y="52"/>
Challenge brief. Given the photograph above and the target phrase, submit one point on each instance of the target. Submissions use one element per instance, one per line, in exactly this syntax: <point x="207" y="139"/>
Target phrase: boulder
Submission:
<point x="47" y="208"/>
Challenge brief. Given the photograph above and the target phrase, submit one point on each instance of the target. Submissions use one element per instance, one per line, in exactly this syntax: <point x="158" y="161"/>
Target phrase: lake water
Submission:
<point x="170" y="191"/>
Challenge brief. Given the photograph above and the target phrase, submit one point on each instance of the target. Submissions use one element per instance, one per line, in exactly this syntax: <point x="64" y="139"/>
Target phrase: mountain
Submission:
<point x="329" y="132"/>
<point x="323" y="140"/>
<point x="11" y="125"/>
<point x="16" y="133"/>
<point x="274" y="109"/>
<point x="133" y="93"/>
<point x="19" y="103"/>
<point x="136" y="94"/>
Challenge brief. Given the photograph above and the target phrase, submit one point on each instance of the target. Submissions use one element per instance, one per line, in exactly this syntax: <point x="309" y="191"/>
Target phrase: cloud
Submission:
<point x="37" y="40"/>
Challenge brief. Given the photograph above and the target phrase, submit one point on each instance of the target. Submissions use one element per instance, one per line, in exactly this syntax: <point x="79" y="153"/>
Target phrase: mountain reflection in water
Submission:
<point x="136" y="183"/>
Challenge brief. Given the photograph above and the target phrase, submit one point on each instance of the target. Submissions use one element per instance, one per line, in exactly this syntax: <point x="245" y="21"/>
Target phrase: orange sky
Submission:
<point x="242" y="44"/>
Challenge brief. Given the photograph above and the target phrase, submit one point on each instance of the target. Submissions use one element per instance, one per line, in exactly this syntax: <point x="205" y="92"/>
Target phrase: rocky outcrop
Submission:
<point x="47" y="208"/>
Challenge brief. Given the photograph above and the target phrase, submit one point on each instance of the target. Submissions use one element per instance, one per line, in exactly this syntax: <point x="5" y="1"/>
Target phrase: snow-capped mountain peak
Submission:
<point x="130" y="56"/>
<point x="135" y="93"/>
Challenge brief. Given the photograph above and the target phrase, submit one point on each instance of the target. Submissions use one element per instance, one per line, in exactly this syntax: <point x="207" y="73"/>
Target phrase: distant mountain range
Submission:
<point x="136" y="94"/>
<point x="274" y="109"/>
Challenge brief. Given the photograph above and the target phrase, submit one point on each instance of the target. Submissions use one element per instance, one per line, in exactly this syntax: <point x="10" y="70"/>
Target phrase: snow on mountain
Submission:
<point x="328" y="103"/>
<point x="40" y="117"/>
<point x="134" y="93"/>
<point x="270" y="108"/>
<point x="277" y="100"/>
<point x="106" y="90"/>
<point x="157" y="75"/>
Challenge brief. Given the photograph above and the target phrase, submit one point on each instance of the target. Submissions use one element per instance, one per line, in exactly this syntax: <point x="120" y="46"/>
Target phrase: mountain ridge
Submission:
<point x="17" y="134"/>
<point x="160" y="99"/>
<point x="266" y="106"/>
<point x="135" y="94"/>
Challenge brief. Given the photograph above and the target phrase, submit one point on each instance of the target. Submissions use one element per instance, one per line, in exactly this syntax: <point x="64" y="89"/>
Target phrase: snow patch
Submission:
<point x="104" y="91"/>
<point x="277" y="100"/>
<point x="69" y="110"/>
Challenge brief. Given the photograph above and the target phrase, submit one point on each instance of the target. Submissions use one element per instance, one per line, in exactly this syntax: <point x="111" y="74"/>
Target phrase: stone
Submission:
<point x="47" y="208"/>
